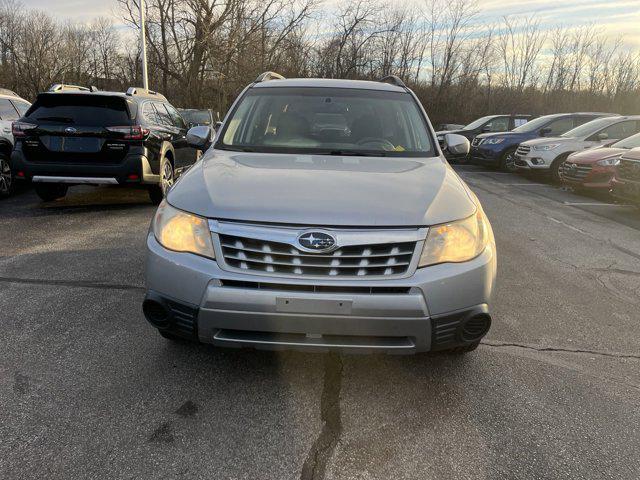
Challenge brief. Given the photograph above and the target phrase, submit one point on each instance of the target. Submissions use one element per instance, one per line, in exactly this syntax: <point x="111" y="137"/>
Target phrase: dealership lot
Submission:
<point x="90" y="390"/>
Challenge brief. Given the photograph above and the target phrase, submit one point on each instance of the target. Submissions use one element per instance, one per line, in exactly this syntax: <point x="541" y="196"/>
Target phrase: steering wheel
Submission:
<point x="384" y="143"/>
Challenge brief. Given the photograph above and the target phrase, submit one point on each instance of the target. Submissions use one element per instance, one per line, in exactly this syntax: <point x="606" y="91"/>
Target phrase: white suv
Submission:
<point x="549" y="153"/>
<point x="12" y="107"/>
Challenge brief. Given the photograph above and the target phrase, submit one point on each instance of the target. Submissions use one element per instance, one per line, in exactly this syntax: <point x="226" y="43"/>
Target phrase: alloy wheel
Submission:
<point x="167" y="177"/>
<point x="5" y="176"/>
<point x="510" y="162"/>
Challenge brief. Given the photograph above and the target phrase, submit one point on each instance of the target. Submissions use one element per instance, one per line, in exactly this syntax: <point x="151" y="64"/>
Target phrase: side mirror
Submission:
<point x="456" y="144"/>
<point x="603" y="136"/>
<point x="199" y="137"/>
<point x="545" y="131"/>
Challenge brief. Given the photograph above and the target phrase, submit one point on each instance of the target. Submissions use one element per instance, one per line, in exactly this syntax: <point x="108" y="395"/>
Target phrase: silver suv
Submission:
<point x="323" y="217"/>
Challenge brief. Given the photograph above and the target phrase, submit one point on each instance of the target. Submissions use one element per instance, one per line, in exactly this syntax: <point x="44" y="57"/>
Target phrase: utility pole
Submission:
<point x="143" y="47"/>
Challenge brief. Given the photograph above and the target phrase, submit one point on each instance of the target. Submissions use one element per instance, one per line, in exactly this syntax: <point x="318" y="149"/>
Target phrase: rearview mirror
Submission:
<point x="603" y="136"/>
<point x="486" y="128"/>
<point x="545" y="131"/>
<point x="199" y="137"/>
<point x="456" y="144"/>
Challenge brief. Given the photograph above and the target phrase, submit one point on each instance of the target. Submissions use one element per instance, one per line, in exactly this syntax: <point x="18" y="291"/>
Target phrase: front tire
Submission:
<point x="48" y="192"/>
<point x="508" y="161"/>
<point x="556" y="167"/>
<point x="7" y="185"/>
<point x="167" y="178"/>
<point x="461" y="350"/>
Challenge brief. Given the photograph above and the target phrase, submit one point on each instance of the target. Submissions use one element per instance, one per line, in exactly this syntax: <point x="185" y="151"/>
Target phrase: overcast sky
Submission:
<point x="616" y="17"/>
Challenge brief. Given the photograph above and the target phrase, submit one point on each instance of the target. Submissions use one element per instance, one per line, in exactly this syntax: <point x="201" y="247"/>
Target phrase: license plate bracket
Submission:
<point x="313" y="306"/>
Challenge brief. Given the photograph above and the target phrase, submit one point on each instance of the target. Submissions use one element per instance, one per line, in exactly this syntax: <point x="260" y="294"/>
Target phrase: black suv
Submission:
<point x="490" y="123"/>
<point x="84" y="136"/>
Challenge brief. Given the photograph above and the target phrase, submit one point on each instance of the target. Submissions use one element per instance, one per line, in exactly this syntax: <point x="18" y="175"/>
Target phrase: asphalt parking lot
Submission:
<point x="89" y="390"/>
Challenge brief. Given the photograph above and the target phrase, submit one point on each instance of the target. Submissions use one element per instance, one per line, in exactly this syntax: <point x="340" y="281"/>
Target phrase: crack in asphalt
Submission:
<point x="72" y="283"/>
<point x="493" y="343"/>
<point x="315" y="464"/>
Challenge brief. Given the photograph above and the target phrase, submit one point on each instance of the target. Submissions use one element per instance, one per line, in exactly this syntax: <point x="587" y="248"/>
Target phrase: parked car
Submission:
<point x="288" y="236"/>
<point x="195" y="117"/>
<point x="73" y="137"/>
<point x="547" y="154"/>
<point x="626" y="183"/>
<point x="12" y="107"/>
<point x="595" y="168"/>
<point x="449" y="127"/>
<point x="498" y="149"/>
<point x="490" y="123"/>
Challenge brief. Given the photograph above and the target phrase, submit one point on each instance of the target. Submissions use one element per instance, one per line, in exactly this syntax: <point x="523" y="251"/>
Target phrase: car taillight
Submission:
<point x="130" y="132"/>
<point x="19" y="129"/>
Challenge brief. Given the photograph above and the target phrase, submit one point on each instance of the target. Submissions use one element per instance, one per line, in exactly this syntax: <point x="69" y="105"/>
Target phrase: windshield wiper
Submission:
<point x="57" y="119"/>
<point x="237" y="149"/>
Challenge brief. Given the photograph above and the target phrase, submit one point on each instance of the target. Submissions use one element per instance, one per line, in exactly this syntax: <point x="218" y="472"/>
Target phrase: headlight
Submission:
<point x="182" y="231"/>
<point x="493" y="141"/>
<point x="609" y="162"/>
<point x="544" y="148"/>
<point x="456" y="241"/>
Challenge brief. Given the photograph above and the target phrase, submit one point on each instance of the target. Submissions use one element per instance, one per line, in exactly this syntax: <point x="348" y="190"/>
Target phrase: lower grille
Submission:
<point x="523" y="150"/>
<point x="575" y="171"/>
<point x="263" y="256"/>
<point x="629" y="170"/>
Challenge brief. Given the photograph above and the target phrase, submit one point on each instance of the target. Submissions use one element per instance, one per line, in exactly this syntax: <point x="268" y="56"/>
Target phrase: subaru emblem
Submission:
<point x="70" y="130"/>
<point x="315" y="241"/>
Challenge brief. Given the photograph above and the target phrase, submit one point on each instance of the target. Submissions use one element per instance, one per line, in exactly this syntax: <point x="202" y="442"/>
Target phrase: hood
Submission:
<point x="458" y="131"/>
<point x="548" y="140"/>
<point x="322" y="190"/>
<point x="595" y="154"/>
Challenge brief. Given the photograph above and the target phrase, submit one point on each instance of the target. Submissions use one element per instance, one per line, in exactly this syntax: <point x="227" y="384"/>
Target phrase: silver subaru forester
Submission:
<point x="323" y="216"/>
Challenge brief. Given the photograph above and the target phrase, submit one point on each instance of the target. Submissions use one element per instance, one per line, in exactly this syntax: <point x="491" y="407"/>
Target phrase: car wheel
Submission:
<point x="6" y="177"/>
<point x="556" y="167"/>
<point x="49" y="192"/>
<point x="508" y="161"/>
<point x="167" y="177"/>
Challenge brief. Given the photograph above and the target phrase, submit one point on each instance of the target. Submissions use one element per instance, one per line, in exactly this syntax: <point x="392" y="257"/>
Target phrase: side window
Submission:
<point x="500" y="124"/>
<point x="518" y="122"/>
<point x="560" y="126"/>
<point x="163" y="115"/>
<point x="22" y="107"/>
<point x="149" y="112"/>
<point x="618" y="131"/>
<point x="7" y="110"/>
<point x="175" y="116"/>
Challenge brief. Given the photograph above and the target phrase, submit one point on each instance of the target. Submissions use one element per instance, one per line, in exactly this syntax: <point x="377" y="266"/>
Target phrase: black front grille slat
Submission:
<point x="579" y="172"/>
<point x="262" y="256"/>
<point x="315" y="288"/>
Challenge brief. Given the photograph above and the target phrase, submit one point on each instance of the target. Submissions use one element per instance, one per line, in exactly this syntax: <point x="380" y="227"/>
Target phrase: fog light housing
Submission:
<point x="537" y="161"/>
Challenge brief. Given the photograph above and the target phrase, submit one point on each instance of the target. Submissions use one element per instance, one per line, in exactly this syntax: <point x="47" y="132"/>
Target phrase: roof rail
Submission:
<point x="138" y="91"/>
<point x="263" y="77"/>
<point x="60" y="87"/>
<point x="6" y="91"/>
<point x="393" y="80"/>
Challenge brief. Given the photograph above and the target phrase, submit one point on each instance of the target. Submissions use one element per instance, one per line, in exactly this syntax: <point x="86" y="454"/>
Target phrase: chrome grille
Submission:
<point x="629" y="170"/>
<point x="476" y="141"/>
<point x="263" y="256"/>
<point x="575" y="171"/>
<point x="523" y="150"/>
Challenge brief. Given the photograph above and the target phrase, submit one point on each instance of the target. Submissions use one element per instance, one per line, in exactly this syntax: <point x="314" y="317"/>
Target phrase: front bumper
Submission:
<point x="430" y="310"/>
<point x="484" y="156"/>
<point x="533" y="162"/>
<point x="627" y="191"/>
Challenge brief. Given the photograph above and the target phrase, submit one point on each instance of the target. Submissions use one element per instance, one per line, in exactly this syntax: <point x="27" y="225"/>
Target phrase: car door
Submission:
<point x="8" y="115"/>
<point x="186" y="154"/>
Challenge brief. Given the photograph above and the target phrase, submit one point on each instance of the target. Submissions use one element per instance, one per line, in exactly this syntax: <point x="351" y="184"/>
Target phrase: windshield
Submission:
<point x="588" y="128"/>
<point x="478" y="122"/>
<point x="534" y="124"/>
<point x="335" y="121"/>
<point x="196" y="117"/>
<point x="628" y="143"/>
